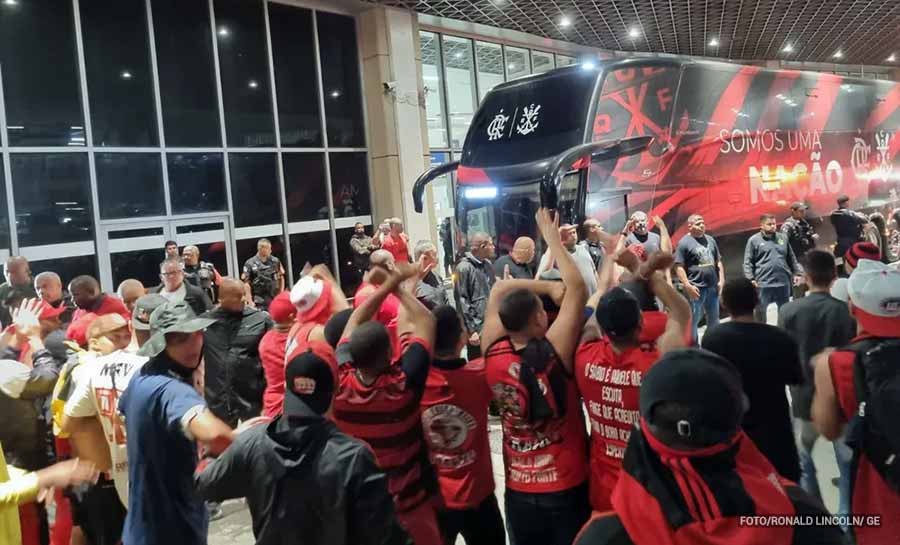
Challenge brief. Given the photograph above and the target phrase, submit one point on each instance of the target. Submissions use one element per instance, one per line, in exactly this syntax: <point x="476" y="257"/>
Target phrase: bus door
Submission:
<point x="634" y="101"/>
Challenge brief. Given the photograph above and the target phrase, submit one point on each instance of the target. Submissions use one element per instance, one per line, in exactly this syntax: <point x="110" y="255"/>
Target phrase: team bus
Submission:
<point x="673" y="137"/>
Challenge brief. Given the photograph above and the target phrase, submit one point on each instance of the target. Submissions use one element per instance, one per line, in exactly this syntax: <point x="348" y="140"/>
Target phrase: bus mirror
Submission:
<point x="426" y="178"/>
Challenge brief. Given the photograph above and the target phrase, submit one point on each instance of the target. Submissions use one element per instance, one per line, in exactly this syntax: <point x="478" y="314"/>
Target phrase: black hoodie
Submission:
<point x="305" y="482"/>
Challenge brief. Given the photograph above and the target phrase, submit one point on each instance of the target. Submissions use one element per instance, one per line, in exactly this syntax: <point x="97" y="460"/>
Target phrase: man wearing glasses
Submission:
<point x="175" y="289"/>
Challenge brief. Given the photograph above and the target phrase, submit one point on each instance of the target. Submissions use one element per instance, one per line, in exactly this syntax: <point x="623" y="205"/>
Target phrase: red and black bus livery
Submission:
<point x="674" y="137"/>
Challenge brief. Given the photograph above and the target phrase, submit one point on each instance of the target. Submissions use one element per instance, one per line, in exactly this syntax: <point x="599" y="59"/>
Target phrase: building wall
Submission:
<point x="124" y="123"/>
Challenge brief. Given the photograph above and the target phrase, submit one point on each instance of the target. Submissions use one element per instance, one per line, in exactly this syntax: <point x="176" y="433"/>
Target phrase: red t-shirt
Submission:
<point x="610" y="384"/>
<point x="271" y="352"/>
<point x="107" y="304"/>
<point x="871" y="495"/>
<point x="387" y="314"/>
<point x="397" y="246"/>
<point x="454" y="417"/>
<point x="387" y="416"/>
<point x="539" y="457"/>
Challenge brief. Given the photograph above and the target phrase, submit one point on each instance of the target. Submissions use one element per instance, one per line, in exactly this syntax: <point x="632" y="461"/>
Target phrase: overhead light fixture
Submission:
<point x="788" y="48"/>
<point x="458" y="55"/>
<point x="223" y="31"/>
<point x="336" y="93"/>
<point x="252" y="84"/>
<point x="634" y="33"/>
<point x="892" y="58"/>
<point x="588" y="65"/>
<point x="714" y="43"/>
<point x="511" y="66"/>
<point x="837" y="54"/>
<point x="11" y="2"/>
<point x="565" y="22"/>
<point x="125" y="74"/>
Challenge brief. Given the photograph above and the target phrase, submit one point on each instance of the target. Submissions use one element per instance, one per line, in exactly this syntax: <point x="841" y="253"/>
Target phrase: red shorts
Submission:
<point x="421" y="524"/>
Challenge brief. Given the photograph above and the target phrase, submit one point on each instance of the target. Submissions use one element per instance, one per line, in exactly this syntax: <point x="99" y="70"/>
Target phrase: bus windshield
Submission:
<point x="530" y="120"/>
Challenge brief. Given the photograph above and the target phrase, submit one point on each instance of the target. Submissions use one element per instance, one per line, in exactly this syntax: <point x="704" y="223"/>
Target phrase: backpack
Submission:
<point x="875" y="429"/>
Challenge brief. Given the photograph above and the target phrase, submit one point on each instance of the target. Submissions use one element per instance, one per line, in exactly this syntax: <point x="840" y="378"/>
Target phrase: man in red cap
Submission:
<point x="857" y="388"/>
<point x="272" y="352"/>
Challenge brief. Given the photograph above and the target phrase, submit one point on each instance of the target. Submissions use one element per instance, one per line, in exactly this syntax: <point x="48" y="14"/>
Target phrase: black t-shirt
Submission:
<point x="768" y="359"/>
<point x="700" y="257"/>
<point x="816" y="322"/>
<point x="650" y="241"/>
<point x="519" y="272"/>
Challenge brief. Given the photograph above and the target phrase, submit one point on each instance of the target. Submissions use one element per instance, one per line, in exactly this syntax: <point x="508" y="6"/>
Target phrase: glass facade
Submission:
<point x="211" y="122"/>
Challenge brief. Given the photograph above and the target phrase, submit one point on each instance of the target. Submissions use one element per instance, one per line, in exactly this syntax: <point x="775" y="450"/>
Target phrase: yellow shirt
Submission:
<point x="21" y="488"/>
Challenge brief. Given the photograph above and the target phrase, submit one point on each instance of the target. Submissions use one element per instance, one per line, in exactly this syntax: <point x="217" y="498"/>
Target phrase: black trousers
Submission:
<point x="479" y="526"/>
<point x="553" y="518"/>
<point x="99" y="512"/>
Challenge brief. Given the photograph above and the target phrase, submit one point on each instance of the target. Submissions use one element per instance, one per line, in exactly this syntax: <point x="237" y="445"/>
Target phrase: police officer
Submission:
<point x="849" y="226"/>
<point x="263" y="275"/>
<point x="200" y="273"/>
<point x="799" y="232"/>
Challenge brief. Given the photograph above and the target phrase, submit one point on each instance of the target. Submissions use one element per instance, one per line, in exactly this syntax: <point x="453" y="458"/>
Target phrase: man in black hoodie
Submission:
<point x="474" y="280"/>
<point x="301" y="476"/>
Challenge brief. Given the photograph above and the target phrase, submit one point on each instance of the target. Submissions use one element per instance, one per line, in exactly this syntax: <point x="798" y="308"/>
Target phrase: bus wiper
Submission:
<point x="599" y="151"/>
<point x="426" y="178"/>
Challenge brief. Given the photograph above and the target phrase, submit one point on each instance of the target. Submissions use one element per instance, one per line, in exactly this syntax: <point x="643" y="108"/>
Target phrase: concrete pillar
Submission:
<point x="398" y="138"/>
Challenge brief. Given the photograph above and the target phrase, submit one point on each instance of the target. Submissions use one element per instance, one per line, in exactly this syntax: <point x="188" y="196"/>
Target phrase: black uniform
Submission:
<point x="799" y="233"/>
<point x="596" y="250"/>
<point x="848" y="226"/>
<point x="202" y="275"/>
<point x="264" y="278"/>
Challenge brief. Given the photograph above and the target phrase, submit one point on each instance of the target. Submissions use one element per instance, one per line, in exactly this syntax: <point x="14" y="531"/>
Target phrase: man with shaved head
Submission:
<point x="519" y="262"/>
<point x="130" y="291"/>
<point x="49" y="288"/>
<point x="234" y="380"/>
<point x="88" y="298"/>
<point x="475" y="277"/>
<point x="18" y="277"/>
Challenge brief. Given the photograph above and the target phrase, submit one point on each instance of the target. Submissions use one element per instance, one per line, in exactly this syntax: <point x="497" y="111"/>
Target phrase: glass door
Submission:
<point x="212" y="237"/>
<point x="135" y="250"/>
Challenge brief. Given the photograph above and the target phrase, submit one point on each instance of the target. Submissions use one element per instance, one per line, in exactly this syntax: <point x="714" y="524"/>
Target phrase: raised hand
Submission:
<point x="548" y="225"/>
<point x="26" y="318"/>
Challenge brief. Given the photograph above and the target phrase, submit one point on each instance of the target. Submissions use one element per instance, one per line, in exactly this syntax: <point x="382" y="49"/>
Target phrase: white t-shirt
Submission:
<point x="585" y="264"/>
<point x="176" y="296"/>
<point x="98" y="386"/>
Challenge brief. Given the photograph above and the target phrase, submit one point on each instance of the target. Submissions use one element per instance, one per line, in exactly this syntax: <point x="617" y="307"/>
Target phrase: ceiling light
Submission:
<point x="335" y="94"/>
<point x="11" y="2"/>
<point x="788" y="48"/>
<point x="588" y="65"/>
<point x="223" y="31"/>
<point x="714" y="43"/>
<point x="125" y="74"/>
<point x="837" y="54"/>
<point x="892" y="58"/>
<point x="252" y="84"/>
<point x="634" y="33"/>
<point x="565" y="22"/>
<point x="458" y="55"/>
<point x="511" y="66"/>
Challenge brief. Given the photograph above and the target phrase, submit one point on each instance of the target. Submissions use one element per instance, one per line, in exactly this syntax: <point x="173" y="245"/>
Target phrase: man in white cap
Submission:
<point x="858" y="387"/>
<point x="318" y="297"/>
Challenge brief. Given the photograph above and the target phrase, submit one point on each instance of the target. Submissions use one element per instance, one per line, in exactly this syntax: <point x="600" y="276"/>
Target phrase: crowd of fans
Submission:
<point x="128" y="418"/>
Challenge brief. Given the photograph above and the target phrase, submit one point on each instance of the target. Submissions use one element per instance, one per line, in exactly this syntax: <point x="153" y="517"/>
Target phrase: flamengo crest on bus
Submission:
<point x="526" y="124"/>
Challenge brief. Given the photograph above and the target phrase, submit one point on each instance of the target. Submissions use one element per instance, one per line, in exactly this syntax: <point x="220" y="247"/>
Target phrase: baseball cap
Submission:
<point x="704" y="383"/>
<point x="281" y="309"/>
<point x="862" y="250"/>
<point x="312" y="297"/>
<point x="171" y="318"/>
<point x="799" y="205"/>
<point x="105" y="324"/>
<point x="874" y="290"/>
<point x="48" y="311"/>
<point x="77" y="331"/>
<point x="309" y="380"/>
<point x="143" y="308"/>
<point x="618" y="312"/>
<point x="839" y="290"/>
